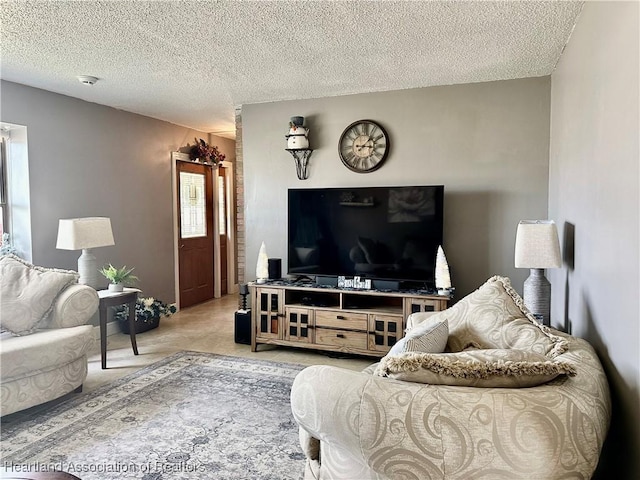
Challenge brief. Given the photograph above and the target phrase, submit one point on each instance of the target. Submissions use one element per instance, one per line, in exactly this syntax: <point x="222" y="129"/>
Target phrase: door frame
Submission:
<point x="232" y="287"/>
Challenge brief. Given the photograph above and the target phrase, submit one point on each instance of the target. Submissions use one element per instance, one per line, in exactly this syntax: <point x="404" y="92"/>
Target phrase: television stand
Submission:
<point x="362" y="322"/>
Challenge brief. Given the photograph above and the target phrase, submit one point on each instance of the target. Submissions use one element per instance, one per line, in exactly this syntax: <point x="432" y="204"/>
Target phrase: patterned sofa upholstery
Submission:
<point x="51" y="361"/>
<point x="357" y="425"/>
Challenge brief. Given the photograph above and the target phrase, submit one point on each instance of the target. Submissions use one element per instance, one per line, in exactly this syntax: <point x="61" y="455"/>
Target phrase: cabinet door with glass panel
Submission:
<point x="417" y="304"/>
<point x="299" y="324"/>
<point x="269" y="313"/>
<point x="384" y="331"/>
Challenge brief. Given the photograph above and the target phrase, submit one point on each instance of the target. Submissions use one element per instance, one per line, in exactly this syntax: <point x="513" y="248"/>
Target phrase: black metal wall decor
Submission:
<point x="301" y="157"/>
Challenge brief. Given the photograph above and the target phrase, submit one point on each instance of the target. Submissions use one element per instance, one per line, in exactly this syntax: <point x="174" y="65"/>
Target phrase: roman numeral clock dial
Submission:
<point x="363" y="146"/>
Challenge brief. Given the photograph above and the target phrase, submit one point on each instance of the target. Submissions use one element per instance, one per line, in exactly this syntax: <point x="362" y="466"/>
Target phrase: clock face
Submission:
<point x="363" y="146"/>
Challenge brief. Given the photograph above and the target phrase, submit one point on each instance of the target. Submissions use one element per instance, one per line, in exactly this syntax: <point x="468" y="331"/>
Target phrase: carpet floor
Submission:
<point x="190" y="416"/>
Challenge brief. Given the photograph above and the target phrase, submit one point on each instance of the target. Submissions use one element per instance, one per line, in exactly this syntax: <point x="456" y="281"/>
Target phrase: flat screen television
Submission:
<point x="383" y="233"/>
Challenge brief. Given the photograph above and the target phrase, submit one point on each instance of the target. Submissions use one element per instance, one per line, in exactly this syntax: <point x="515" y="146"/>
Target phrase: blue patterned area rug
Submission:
<point x="190" y="416"/>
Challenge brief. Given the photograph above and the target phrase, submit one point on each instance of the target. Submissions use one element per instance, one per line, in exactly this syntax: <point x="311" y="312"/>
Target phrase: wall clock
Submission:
<point x="363" y="146"/>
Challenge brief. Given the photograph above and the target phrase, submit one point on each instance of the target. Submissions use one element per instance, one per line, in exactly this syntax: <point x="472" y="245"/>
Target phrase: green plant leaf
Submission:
<point x="119" y="275"/>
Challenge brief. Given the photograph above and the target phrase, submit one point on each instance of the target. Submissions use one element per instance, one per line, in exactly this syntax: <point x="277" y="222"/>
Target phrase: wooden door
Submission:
<point x="223" y="228"/>
<point x="195" y="232"/>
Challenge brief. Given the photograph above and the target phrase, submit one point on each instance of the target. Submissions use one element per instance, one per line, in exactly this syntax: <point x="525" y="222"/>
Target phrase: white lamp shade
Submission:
<point x="537" y="245"/>
<point x="81" y="233"/>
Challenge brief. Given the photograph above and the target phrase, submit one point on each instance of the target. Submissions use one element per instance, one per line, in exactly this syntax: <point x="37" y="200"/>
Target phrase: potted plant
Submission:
<point x="148" y="313"/>
<point x="205" y="153"/>
<point x="119" y="277"/>
<point x="6" y="247"/>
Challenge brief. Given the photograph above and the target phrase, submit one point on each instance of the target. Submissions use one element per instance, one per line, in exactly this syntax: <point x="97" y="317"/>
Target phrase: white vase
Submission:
<point x="116" y="287"/>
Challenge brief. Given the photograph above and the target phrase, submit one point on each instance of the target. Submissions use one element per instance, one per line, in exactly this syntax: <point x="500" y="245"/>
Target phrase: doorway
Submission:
<point x="223" y="228"/>
<point x="195" y="232"/>
<point x="220" y="212"/>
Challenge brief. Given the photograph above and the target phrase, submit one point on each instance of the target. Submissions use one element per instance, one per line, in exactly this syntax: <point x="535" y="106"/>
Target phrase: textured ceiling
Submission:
<point x="192" y="62"/>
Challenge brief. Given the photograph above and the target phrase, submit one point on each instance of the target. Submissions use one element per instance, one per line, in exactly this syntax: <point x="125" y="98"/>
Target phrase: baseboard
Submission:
<point x="112" y="329"/>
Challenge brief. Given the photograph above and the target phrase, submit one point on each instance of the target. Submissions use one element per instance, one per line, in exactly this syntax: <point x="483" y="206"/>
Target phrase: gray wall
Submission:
<point x="487" y="143"/>
<point x="594" y="197"/>
<point x="89" y="160"/>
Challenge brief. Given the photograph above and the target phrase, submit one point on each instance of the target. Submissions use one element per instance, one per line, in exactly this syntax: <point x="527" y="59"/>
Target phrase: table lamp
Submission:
<point x="537" y="248"/>
<point x="85" y="234"/>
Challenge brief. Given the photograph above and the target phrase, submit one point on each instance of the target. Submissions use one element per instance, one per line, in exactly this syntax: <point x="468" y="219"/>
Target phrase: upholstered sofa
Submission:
<point x="45" y="339"/>
<point x="388" y="423"/>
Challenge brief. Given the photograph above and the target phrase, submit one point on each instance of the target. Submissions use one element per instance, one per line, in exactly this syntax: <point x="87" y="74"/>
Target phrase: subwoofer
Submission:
<point x="275" y="268"/>
<point x="243" y="327"/>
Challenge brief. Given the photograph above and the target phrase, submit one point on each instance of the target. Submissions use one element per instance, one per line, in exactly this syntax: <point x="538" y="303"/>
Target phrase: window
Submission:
<point x="192" y="205"/>
<point x="4" y="210"/>
<point x="15" y="198"/>
<point x="222" y="206"/>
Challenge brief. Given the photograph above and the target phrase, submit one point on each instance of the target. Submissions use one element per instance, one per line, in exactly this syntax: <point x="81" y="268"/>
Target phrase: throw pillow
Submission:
<point x="494" y="316"/>
<point x="501" y="368"/>
<point x="28" y="293"/>
<point x="430" y="336"/>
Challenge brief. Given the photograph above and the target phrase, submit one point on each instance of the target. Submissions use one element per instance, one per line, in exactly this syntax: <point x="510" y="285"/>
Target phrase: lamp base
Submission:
<point x="537" y="295"/>
<point x="88" y="269"/>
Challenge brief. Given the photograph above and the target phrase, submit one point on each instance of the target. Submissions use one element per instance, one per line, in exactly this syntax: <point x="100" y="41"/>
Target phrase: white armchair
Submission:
<point x="49" y="359"/>
<point x="364" y="426"/>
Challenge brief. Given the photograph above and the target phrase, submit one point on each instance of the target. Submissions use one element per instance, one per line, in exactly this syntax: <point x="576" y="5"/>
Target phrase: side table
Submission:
<point x="112" y="299"/>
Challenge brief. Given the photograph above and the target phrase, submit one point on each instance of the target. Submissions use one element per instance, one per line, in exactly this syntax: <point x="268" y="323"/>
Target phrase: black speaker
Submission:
<point x="386" y="284"/>
<point x="328" y="280"/>
<point x="243" y="327"/>
<point x="275" y="268"/>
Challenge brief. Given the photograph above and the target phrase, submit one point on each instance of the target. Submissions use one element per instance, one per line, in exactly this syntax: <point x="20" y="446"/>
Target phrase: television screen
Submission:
<point x="387" y="233"/>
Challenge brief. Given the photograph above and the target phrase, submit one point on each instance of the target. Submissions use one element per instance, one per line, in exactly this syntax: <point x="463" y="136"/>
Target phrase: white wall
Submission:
<point x="594" y="197"/>
<point x="86" y="159"/>
<point x="487" y="143"/>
